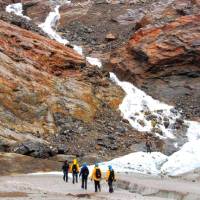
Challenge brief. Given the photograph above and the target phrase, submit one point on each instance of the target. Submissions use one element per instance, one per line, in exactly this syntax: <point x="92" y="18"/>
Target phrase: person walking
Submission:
<point x="96" y="177"/>
<point x="75" y="171"/>
<point x="148" y="145"/>
<point x="65" y="169"/>
<point x="110" y="177"/>
<point x="84" y="172"/>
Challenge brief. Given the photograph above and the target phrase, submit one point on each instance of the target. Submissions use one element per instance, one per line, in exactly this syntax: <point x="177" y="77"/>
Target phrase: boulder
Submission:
<point x="34" y="149"/>
<point x="11" y="163"/>
<point x="110" y="37"/>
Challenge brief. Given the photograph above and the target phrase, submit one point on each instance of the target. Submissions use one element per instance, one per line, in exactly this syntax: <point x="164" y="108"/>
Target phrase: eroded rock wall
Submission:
<point x="51" y="102"/>
<point x="162" y="57"/>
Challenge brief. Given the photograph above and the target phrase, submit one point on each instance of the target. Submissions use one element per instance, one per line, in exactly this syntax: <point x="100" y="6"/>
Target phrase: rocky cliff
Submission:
<point x="52" y="102"/>
<point x="162" y="56"/>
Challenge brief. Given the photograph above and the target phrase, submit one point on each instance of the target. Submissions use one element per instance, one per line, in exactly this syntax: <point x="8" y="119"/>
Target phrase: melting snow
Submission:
<point x="185" y="160"/>
<point x="137" y="104"/>
<point x="193" y="132"/>
<point x="94" y="61"/>
<point x="78" y="49"/>
<point x="137" y="162"/>
<point x="50" y="23"/>
<point x="17" y="9"/>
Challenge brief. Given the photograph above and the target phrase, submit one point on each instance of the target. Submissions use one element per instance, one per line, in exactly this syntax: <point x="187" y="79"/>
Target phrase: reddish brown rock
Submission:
<point x="52" y="103"/>
<point x="168" y="44"/>
<point x="40" y="52"/>
<point x="163" y="60"/>
<point x="37" y="10"/>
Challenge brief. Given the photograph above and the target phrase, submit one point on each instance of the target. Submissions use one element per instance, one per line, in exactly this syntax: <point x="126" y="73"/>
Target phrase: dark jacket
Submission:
<point x="84" y="172"/>
<point x="65" y="167"/>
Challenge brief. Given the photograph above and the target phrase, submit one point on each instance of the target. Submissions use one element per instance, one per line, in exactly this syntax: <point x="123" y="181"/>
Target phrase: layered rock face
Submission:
<point x="163" y="57"/>
<point x="51" y="102"/>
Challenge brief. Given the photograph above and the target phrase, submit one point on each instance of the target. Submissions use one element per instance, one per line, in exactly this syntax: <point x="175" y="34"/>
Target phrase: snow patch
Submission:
<point x="50" y="23"/>
<point x="183" y="161"/>
<point x="78" y="49"/>
<point x="193" y="131"/>
<point x="17" y="9"/>
<point x="139" y="162"/>
<point x="137" y="103"/>
<point x="94" y="61"/>
<point x="56" y="173"/>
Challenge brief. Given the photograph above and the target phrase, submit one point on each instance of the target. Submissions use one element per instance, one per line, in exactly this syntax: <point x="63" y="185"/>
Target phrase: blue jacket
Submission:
<point x="84" y="172"/>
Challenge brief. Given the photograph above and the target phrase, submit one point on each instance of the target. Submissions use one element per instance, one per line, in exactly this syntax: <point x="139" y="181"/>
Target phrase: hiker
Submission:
<point x="148" y="145"/>
<point x="84" y="173"/>
<point x="110" y="177"/>
<point x="75" y="171"/>
<point x="96" y="176"/>
<point x="65" y="169"/>
<point x="153" y="123"/>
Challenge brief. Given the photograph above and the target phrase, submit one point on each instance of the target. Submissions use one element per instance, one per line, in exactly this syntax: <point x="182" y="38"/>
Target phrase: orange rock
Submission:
<point x="163" y="58"/>
<point x="40" y="79"/>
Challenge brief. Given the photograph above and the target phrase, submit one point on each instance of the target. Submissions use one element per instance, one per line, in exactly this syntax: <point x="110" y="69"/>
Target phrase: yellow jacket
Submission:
<point x="93" y="175"/>
<point x="75" y="162"/>
<point x="108" y="175"/>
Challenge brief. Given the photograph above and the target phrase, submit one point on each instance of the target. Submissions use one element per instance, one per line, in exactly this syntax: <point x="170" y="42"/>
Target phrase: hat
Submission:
<point x="109" y="167"/>
<point x="96" y="164"/>
<point x="84" y="164"/>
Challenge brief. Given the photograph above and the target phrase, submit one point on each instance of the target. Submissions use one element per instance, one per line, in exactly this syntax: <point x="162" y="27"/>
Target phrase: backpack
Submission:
<point x="74" y="168"/>
<point x="98" y="173"/>
<point x="112" y="175"/>
<point x="65" y="167"/>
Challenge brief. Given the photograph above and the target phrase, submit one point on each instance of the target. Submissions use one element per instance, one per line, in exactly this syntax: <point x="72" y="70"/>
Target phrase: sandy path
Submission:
<point x="52" y="187"/>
